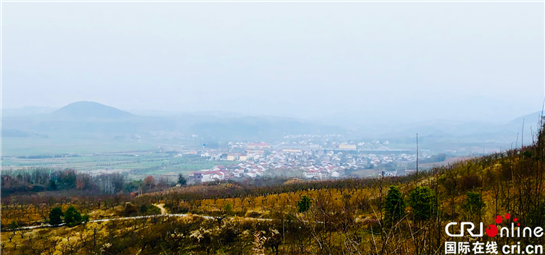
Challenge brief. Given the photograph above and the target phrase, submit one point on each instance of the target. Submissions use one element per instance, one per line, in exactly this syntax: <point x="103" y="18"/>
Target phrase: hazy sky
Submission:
<point x="290" y="59"/>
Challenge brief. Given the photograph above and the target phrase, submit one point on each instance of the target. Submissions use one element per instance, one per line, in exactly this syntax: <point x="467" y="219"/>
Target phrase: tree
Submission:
<point x="55" y="216"/>
<point x="304" y="204"/>
<point x="52" y="185"/>
<point x="422" y="203"/>
<point x="395" y="206"/>
<point x="72" y="217"/>
<point x="474" y="203"/>
<point x="133" y="186"/>
<point x="130" y="209"/>
<point x="13" y="225"/>
<point x="118" y="182"/>
<point x="149" y="182"/>
<point x="68" y="179"/>
<point x="181" y="180"/>
<point x="143" y="208"/>
<point x="83" y="181"/>
<point x="228" y="209"/>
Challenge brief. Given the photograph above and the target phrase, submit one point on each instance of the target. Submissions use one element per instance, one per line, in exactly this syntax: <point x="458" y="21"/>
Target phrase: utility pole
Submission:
<point x="522" y="139"/>
<point x="416" y="155"/>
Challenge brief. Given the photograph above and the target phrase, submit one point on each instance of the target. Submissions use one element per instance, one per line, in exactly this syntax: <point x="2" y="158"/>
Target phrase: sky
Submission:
<point x="336" y="61"/>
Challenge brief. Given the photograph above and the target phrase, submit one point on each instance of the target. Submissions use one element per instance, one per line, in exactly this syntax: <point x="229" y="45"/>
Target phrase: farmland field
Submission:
<point x="139" y="158"/>
<point x="25" y="146"/>
<point x="145" y="164"/>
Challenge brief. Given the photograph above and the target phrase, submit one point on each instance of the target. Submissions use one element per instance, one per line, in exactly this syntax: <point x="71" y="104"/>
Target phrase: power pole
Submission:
<point x="416" y="155"/>
<point x="522" y="139"/>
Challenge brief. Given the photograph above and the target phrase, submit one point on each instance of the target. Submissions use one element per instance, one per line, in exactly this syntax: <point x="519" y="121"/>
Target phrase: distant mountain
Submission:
<point x="436" y="112"/>
<point x="19" y="133"/>
<point x="85" y="118"/>
<point x="28" y="110"/>
<point x="530" y="122"/>
<point x="153" y="112"/>
<point x="529" y="119"/>
<point x="92" y="119"/>
<point x="469" y="131"/>
<point x="219" y="114"/>
<point x="86" y="110"/>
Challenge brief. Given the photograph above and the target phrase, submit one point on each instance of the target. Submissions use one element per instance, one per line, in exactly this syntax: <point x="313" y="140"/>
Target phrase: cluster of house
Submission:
<point x="323" y="172"/>
<point x="259" y="159"/>
<point x="220" y="173"/>
<point x="255" y="163"/>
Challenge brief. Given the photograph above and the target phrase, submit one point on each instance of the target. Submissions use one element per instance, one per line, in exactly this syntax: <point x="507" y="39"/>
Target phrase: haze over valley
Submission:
<point x="272" y="127"/>
<point x="79" y="134"/>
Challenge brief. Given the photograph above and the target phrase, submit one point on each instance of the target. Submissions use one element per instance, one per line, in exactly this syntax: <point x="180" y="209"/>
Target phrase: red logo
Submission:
<point x="492" y="230"/>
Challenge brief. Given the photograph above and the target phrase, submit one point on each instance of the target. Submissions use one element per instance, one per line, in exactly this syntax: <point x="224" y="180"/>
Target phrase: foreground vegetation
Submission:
<point x="398" y="215"/>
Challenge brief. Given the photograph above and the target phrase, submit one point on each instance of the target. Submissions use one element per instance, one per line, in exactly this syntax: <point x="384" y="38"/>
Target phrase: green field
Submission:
<point x="28" y="146"/>
<point x="185" y="168"/>
<point x="142" y="158"/>
<point x="141" y="166"/>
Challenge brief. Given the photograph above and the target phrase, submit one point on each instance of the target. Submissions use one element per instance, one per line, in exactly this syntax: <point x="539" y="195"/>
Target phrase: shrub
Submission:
<point x="304" y="204"/>
<point x="422" y="203"/>
<point x="228" y="209"/>
<point x="152" y="209"/>
<point x="13" y="225"/>
<point x="395" y="206"/>
<point x="72" y="217"/>
<point x="55" y="216"/>
<point x="143" y="208"/>
<point x="85" y="218"/>
<point x="129" y="210"/>
<point x="474" y="203"/>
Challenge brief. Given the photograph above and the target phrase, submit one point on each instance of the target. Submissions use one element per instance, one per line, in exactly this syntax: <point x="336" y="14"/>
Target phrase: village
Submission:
<point x="306" y="161"/>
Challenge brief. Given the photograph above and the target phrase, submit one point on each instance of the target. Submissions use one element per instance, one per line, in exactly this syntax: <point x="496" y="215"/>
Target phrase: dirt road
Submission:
<point x="160" y="206"/>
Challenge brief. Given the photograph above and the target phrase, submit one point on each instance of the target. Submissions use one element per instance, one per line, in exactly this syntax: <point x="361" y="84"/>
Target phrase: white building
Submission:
<point x="209" y="176"/>
<point x="311" y="174"/>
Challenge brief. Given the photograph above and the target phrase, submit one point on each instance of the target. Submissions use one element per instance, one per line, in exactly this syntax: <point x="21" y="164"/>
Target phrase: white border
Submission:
<point x="274" y="1"/>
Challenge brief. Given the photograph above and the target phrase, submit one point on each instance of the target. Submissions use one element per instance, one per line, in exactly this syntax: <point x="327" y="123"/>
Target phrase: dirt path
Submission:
<point x="160" y="206"/>
<point x="163" y="214"/>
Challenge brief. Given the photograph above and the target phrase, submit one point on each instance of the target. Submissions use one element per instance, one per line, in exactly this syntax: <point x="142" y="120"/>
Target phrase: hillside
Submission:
<point x="396" y="215"/>
<point x="90" y="110"/>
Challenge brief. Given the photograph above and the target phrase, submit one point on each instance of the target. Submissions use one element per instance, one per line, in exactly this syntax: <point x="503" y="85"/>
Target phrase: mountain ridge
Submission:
<point x="88" y="109"/>
<point x="85" y="117"/>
